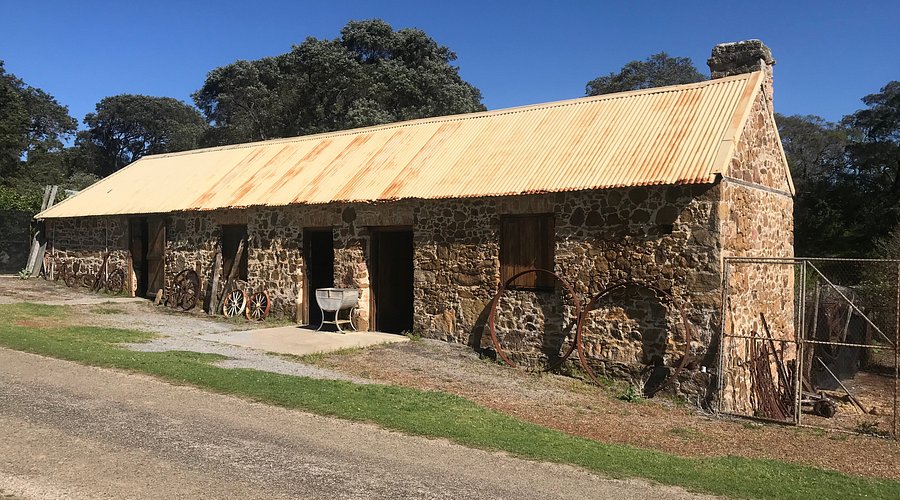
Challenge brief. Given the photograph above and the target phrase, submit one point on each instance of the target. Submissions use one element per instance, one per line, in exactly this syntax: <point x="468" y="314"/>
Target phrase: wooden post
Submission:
<point x="39" y="244"/>
<point x="231" y="273"/>
<point x="213" y="292"/>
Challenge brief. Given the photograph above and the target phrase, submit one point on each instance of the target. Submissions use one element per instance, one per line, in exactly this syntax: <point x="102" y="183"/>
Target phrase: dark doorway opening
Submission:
<point x="318" y="253"/>
<point x="137" y="244"/>
<point x="147" y="243"/>
<point x="392" y="280"/>
<point x="232" y="235"/>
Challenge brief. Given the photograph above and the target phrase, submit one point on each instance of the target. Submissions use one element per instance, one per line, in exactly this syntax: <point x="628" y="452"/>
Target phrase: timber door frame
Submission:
<point x="307" y="297"/>
<point x="156" y="253"/>
<point x="375" y="233"/>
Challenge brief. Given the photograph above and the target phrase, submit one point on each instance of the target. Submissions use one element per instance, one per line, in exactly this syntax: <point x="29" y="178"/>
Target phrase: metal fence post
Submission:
<point x="896" y="352"/>
<point x="720" y="371"/>
<point x="800" y="348"/>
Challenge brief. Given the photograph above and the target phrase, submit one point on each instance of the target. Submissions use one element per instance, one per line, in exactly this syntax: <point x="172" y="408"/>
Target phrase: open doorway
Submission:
<point x="392" y="279"/>
<point x="147" y="243"/>
<point x="318" y="253"/>
<point x="137" y="244"/>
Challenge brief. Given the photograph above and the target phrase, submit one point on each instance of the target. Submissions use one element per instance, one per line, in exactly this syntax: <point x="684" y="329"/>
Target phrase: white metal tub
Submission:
<point x="335" y="300"/>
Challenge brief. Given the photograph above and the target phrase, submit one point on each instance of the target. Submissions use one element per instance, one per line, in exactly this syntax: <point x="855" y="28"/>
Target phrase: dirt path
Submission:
<point x="68" y="430"/>
<point x="577" y="408"/>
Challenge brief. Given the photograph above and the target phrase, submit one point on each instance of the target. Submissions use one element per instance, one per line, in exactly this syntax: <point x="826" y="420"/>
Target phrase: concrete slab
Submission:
<point x="300" y="341"/>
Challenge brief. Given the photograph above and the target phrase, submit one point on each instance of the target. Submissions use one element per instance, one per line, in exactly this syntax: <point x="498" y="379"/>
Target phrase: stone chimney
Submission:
<point x="742" y="57"/>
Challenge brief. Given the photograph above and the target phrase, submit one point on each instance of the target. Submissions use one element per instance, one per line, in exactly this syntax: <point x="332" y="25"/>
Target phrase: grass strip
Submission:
<point x="41" y="330"/>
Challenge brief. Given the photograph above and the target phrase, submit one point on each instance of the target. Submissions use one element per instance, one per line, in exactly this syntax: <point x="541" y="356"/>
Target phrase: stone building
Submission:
<point x="427" y="217"/>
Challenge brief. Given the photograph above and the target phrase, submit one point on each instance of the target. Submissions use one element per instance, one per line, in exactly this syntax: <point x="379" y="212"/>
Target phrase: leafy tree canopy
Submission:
<point x="126" y="127"/>
<point x="656" y="71"/>
<point x="370" y="74"/>
<point x="31" y="122"/>
<point x="846" y="175"/>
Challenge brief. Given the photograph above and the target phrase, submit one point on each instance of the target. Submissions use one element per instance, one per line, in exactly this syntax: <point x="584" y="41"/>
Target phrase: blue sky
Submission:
<point x="829" y="53"/>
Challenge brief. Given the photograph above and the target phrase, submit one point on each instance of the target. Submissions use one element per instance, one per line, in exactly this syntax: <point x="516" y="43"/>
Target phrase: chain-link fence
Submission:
<point x="15" y="240"/>
<point x="812" y="342"/>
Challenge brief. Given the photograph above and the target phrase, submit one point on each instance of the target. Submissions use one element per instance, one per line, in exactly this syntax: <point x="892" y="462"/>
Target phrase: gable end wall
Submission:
<point x="756" y="217"/>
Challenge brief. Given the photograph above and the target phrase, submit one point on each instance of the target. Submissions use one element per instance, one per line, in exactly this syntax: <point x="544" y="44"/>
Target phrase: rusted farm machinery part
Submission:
<point x="71" y="274"/>
<point x="185" y="290"/>
<point x="85" y="276"/>
<point x="235" y="303"/>
<point x="595" y="301"/>
<point x="66" y="273"/>
<point x="258" y="305"/>
<point x="492" y="316"/>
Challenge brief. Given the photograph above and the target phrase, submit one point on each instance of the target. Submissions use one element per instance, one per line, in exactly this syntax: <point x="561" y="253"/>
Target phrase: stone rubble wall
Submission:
<point x="665" y="237"/>
<point x="757" y="221"/>
<point x="86" y="240"/>
<point x="662" y="236"/>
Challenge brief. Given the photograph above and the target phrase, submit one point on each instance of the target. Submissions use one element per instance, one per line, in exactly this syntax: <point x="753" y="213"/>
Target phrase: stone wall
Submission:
<point x="757" y="221"/>
<point x="665" y="237"/>
<point x="86" y="240"/>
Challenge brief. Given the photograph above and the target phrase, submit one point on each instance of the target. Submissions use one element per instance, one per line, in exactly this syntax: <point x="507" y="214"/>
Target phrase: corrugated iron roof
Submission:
<point x="666" y="135"/>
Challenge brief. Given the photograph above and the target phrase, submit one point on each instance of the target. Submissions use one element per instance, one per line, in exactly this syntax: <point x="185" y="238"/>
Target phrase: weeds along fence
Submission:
<point x="812" y="342"/>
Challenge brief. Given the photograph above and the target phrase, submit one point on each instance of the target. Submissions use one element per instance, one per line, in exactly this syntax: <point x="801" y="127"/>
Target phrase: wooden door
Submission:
<point x="156" y="255"/>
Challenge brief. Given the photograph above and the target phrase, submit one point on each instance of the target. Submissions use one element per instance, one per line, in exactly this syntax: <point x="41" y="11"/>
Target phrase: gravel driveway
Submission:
<point x="178" y="331"/>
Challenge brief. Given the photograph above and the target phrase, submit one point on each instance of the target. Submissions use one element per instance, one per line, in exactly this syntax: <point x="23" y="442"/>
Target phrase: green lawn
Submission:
<point x="42" y="330"/>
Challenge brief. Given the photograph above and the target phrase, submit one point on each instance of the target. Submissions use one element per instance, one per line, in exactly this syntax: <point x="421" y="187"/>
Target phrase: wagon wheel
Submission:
<point x="70" y="279"/>
<point x="174" y="292"/>
<point x="59" y="268"/>
<point x="189" y="290"/>
<point x="235" y="303"/>
<point x="258" y="305"/>
<point x="115" y="283"/>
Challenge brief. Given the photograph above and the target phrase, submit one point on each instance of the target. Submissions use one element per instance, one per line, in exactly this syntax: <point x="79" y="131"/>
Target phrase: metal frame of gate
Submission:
<point x="805" y="269"/>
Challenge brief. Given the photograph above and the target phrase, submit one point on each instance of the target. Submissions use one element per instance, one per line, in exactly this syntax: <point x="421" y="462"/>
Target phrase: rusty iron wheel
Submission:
<point x="595" y="301"/>
<point x="492" y="316"/>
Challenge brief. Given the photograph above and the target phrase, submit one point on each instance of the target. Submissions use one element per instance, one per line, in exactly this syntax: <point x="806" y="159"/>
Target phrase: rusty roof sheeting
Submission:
<point x="666" y="135"/>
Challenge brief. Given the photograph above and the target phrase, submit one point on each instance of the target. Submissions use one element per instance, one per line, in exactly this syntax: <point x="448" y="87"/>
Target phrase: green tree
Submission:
<point x="846" y="175"/>
<point x="815" y="150"/>
<point x="656" y="71"/>
<point x="126" y="127"/>
<point x="31" y="123"/>
<point x="369" y="75"/>
<point x="874" y="150"/>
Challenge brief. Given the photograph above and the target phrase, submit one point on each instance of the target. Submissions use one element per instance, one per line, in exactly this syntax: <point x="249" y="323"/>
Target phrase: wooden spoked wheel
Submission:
<point x="234" y="304"/>
<point x="115" y="282"/>
<point x="258" y="305"/>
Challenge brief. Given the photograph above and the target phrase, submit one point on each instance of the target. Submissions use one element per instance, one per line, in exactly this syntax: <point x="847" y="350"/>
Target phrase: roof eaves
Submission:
<point x="736" y="127"/>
